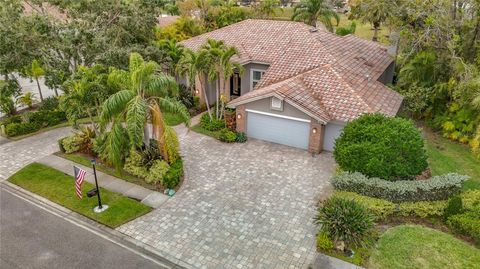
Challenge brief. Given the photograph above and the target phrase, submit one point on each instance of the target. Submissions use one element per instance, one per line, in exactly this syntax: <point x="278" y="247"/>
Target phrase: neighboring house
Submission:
<point x="166" y="20"/>
<point x="302" y="85"/>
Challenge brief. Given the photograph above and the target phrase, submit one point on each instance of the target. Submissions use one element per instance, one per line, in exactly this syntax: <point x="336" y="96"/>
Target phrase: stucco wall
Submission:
<point x="387" y="76"/>
<point x="332" y="131"/>
<point x="247" y="75"/>
<point x="288" y="110"/>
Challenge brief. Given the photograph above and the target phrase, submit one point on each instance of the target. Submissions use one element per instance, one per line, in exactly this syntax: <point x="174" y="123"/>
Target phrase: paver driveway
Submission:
<point x="16" y="154"/>
<point x="241" y="206"/>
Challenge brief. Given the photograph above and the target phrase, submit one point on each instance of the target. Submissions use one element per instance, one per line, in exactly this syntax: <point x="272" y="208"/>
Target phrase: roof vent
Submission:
<point x="313" y="30"/>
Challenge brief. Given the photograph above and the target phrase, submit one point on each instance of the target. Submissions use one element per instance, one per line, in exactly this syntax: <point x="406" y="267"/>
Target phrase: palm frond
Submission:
<point x="176" y="107"/>
<point x="135" y="120"/>
<point x="161" y="85"/>
<point x="136" y="60"/>
<point x="118" y="79"/>
<point x="115" y="104"/>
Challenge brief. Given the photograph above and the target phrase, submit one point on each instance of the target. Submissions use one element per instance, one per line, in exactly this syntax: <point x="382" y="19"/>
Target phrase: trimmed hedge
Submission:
<point x="16" y="129"/>
<point x="33" y="122"/>
<point x="433" y="189"/>
<point x="467" y="223"/>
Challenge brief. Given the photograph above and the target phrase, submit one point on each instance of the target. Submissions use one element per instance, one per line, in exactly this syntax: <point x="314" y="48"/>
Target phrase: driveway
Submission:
<point x="241" y="206"/>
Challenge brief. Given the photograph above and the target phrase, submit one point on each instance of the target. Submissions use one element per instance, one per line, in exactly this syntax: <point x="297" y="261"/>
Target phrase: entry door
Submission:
<point x="290" y="132"/>
<point x="235" y="85"/>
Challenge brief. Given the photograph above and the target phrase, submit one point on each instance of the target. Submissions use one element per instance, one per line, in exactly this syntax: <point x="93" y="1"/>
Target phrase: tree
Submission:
<point x="228" y="68"/>
<point x="266" y="8"/>
<point x="35" y="71"/>
<point x="310" y="11"/>
<point x="8" y="90"/>
<point x="27" y="99"/>
<point x="376" y="12"/>
<point x="174" y="52"/>
<point x="144" y="93"/>
<point x="196" y="65"/>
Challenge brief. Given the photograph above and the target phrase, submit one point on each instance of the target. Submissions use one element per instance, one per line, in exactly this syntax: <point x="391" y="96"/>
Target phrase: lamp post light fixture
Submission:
<point x="314" y="130"/>
<point x="100" y="208"/>
<point x="239" y="116"/>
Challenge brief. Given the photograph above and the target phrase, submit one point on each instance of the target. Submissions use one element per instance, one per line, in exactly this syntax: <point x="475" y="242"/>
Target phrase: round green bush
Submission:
<point x="211" y="125"/>
<point x="380" y="146"/>
<point x="227" y="136"/>
<point x="241" y="138"/>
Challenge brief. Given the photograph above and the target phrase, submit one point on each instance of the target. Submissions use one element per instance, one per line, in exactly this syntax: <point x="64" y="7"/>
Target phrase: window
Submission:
<point x="256" y="76"/>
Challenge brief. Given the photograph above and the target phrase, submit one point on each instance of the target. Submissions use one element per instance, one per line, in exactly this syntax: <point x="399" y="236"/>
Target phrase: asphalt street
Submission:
<point x="31" y="237"/>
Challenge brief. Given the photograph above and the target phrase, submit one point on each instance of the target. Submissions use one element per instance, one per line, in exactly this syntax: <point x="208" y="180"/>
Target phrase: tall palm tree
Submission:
<point x="311" y="11"/>
<point x="228" y="68"/>
<point x="196" y="65"/>
<point x="35" y="71"/>
<point x="376" y="12"/>
<point x="144" y="94"/>
<point x="215" y="49"/>
<point x="174" y="51"/>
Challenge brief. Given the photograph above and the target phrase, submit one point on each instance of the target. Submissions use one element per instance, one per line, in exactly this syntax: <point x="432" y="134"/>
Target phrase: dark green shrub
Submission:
<point x="324" y="242"/>
<point x="185" y="96"/>
<point x="241" y="138"/>
<point x="11" y="119"/>
<point x="343" y="31"/>
<point x="433" y="189"/>
<point x="150" y="154"/>
<point x="454" y="207"/>
<point x="47" y="118"/>
<point x="174" y="174"/>
<point x="60" y="144"/>
<point x="16" y="129"/>
<point x="345" y="220"/>
<point x="50" y="103"/>
<point x="467" y="223"/>
<point x="211" y="125"/>
<point x="157" y="172"/>
<point x="379" y="146"/>
<point x="227" y="136"/>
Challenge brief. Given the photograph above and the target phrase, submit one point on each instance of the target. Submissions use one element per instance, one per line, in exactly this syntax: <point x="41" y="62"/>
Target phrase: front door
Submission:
<point x="235" y="85"/>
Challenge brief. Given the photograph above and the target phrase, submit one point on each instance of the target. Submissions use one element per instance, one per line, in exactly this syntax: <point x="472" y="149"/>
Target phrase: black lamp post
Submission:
<point x="99" y="208"/>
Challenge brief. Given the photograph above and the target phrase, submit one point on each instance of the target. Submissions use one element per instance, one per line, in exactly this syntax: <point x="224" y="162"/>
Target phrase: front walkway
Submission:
<point x="241" y="206"/>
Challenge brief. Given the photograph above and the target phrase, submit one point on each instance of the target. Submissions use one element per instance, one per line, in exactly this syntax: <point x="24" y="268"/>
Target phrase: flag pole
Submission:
<point x="98" y="208"/>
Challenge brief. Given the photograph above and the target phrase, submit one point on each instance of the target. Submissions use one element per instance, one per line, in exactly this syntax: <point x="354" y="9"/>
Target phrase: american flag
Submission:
<point x="79" y="177"/>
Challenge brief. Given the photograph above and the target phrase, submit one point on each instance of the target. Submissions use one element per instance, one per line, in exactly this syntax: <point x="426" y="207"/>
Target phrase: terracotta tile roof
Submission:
<point x="329" y="76"/>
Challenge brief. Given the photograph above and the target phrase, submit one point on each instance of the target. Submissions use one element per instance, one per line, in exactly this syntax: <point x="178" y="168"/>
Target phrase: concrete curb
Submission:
<point x="111" y="235"/>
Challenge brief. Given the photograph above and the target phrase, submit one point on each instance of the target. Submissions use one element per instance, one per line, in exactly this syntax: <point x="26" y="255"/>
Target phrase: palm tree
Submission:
<point x="215" y="49"/>
<point x="267" y="8"/>
<point x="26" y="99"/>
<point x="196" y="65"/>
<point x="228" y="67"/>
<point x="310" y="11"/>
<point x="375" y="12"/>
<point x="144" y="94"/>
<point x="174" y="51"/>
<point x="36" y="71"/>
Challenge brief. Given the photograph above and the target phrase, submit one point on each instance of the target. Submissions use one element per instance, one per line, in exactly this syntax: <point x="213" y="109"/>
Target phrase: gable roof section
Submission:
<point x="327" y="76"/>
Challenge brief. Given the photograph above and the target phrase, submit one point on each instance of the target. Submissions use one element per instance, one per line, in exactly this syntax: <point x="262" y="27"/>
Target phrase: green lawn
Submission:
<point x="197" y="128"/>
<point x="447" y="156"/>
<point x="413" y="246"/>
<point x="364" y="30"/>
<point x="172" y="119"/>
<point x="60" y="188"/>
<point x="86" y="161"/>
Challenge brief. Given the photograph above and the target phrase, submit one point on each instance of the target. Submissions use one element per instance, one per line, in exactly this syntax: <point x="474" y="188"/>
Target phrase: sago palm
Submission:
<point x="310" y="11"/>
<point x="144" y="94"/>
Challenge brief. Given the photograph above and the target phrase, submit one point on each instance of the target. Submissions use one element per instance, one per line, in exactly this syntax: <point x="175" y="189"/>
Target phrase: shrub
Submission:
<point x="71" y="144"/>
<point x="60" y="144"/>
<point x="467" y="223"/>
<point x="241" y="138"/>
<point x="471" y="199"/>
<point x="12" y="119"/>
<point x="47" y="118"/>
<point x="324" y="242"/>
<point x="379" y="146"/>
<point x="157" y="172"/>
<point x="345" y="220"/>
<point x="174" y="174"/>
<point x="134" y="165"/>
<point x="454" y="207"/>
<point x="172" y="144"/>
<point x="379" y="207"/>
<point x="422" y="209"/>
<point x="150" y="154"/>
<point x="211" y="125"/>
<point x="433" y="189"/>
<point x="227" y="136"/>
<point x="50" y="103"/>
<point x="16" y="129"/>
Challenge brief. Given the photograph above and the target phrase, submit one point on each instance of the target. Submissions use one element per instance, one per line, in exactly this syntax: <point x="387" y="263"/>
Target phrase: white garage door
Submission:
<point x="286" y="131"/>
<point x="332" y="132"/>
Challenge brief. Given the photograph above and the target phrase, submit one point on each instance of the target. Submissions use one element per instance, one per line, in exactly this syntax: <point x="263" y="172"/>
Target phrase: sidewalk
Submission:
<point x="151" y="198"/>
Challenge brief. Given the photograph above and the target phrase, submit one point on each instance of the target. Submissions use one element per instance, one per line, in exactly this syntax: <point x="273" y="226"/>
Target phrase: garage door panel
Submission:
<point x="278" y="130"/>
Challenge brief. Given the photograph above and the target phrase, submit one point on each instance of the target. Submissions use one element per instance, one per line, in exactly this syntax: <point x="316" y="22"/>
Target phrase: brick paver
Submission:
<point x="16" y="154"/>
<point x="241" y="206"/>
